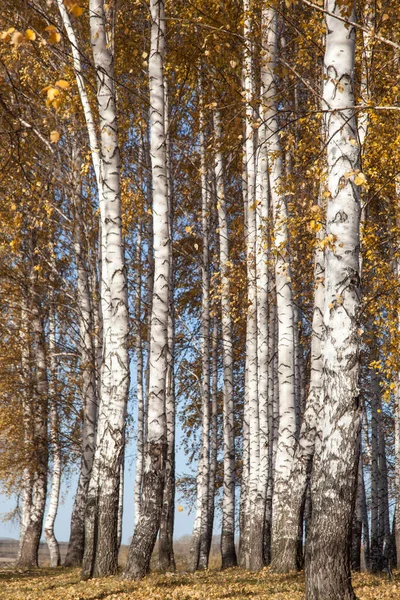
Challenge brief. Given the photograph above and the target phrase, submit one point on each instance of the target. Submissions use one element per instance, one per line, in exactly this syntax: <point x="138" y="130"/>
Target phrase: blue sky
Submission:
<point x="183" y="520"/>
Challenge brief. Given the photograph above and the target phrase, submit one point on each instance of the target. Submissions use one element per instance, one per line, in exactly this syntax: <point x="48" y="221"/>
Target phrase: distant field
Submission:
<point x="234" y="584"/>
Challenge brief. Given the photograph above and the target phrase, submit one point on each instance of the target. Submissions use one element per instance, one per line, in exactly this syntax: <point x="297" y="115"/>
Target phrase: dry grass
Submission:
<point x="234" y="584"/>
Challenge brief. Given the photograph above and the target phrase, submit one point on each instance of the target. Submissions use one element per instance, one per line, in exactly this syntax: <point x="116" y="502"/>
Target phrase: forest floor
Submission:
<point x="233" y="584"/>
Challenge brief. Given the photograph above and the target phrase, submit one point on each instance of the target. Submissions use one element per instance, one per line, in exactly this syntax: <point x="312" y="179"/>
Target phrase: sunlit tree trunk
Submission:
<point x="254" y="521"/>
<point x="228" y="500"/>
<point x="200" y="541"/>
<point x="29" y="546"/>
<point x="139" y="375"/>
<point x="54" y="426"/>
<point x="284" y="297"/>
<point x="335" y="461"/>
<point x="27" y="396"/>
<point x="292" y="530"/>
<point x="146" y="531"/>
<point x="101" y="547"/>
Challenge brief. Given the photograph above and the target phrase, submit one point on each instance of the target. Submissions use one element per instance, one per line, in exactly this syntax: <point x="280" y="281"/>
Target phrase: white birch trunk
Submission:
<point x="26" y="385"/>
<point x="335" y="462"/>
<point x="254" y="522"/>
<point x="101" y="548"/>
<point x="29" y="546"/>
<point x="200" y="541"/>
<point x="52" y="544"/>
<point x="284" y="295"/>
<point x="139" y="376"/>
<point x="292" y="531"/>
<point x="86" y="298"/>
<point x="228" y="500"/>
<point x="146" y="531"/>
<point x="165" y="550"/>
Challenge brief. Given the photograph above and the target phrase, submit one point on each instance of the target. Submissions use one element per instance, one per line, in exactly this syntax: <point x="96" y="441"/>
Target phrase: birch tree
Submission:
<point x="53" y="546"/>
<point x="228" y="502"/>
<point x="284" y="295"/>
<point x="101" y="547"/>
<point x="335" y="462"/>
<point x="200" y="545"/>
<point x="146" y="531"/>
<point x="85" y="301"/>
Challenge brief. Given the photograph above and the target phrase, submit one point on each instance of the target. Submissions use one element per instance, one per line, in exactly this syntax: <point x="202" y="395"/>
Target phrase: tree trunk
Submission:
<point x="27" y="396"/>
<point x="228" y="500"/>
<point x="201" y="531"/>
<point x="335" y="462"/>
<point x="255" y="501"/>
<point x="54" y="549"/>
<point x="376" y="548"/>
<point x="101" y="547"/>
<point x="284" y="302"/>
<point x="29" y="546"/>
<point x="292" y="530"/>
<point x="139" y="377"/>
<point x="166" y="557"/>
<point x="75" y="549"/>
<point x="146" y="531"/>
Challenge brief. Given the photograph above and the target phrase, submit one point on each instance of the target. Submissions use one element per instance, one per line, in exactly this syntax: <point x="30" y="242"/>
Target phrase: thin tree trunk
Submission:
<point x="28" y="554"/>
<point x="213" y="434"/>
<point x="75" y="549"/>
<point x="228" y="500"/>
<point x="54" y="549"/>
<point x="166" y="557"/>
<point x="146" y="531"/>
<point x="284" y="300"/>
<point x="335" y="462"/>
<point x="292" y="531"/>
<point x="200" y="541"/>
<point x="27" y="397"/>
<point x="139" y="377"/>
<point x="254" y="521"/>
<point x="376" y="548"/>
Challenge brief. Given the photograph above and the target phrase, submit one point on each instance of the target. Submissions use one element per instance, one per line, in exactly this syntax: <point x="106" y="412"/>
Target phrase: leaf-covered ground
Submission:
<point x="235" y="584"/>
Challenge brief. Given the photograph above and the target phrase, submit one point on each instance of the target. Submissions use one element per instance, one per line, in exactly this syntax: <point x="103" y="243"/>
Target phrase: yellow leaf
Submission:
<point x="385" y="17"/>
<point x="180" y="508"/>
<point x="30" y="35"/>
<point x="353" y="142"/>
<point x="76" y="10"/>
<point x="50" y="28"/>
<point x="52" y="93"/>
<point x="63" y="84"/>
<point x="54" y="137"/>
<point x="188" y="229"/>
<point x="360" y="179"/>
<point x="17" y="38"/>
<point x="54" y="37"/>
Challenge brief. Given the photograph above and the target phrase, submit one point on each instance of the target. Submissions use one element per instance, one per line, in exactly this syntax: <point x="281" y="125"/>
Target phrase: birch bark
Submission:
<point x="284" y="295"/>
<point x="29" y="545"/>
<point x="228" y="501"/>
<point x="85" y="301"/>
<point x="55" y="442"/>
<point x="254" y="521"/>
<point x="200" y="542"/>
<point x="146" y="531"/>
<point x="166" y="549"/>
<point x="335" y="462"/>
<point x="101" y="548"/>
